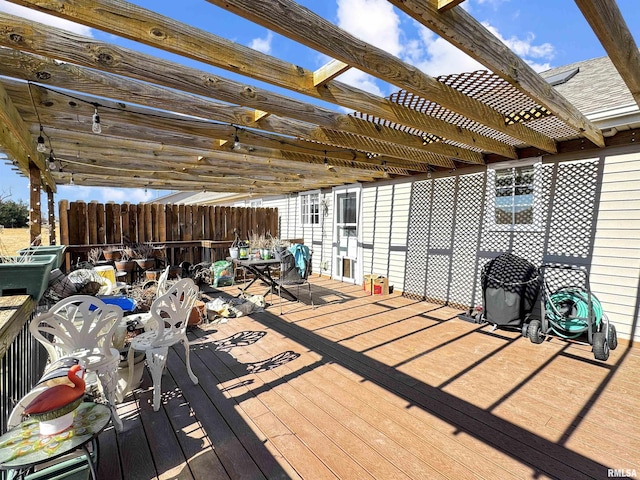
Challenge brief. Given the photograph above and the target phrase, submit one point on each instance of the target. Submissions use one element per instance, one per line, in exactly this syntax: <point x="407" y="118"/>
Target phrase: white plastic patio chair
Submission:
<point x="166" y="327"/>
<point x="82" y="326"/>
<point x="161" y="289"/>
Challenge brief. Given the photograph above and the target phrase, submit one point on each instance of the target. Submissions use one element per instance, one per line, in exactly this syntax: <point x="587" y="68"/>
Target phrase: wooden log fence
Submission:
<point x="185" y="229"/>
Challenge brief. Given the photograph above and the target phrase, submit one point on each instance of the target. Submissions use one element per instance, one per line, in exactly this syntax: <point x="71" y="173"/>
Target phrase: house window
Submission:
<point x="310" y="208"/>
<point x="514" y="197"/>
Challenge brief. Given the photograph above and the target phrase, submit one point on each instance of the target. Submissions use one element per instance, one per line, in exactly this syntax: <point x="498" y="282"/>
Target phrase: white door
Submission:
<point x="346" y="250"/>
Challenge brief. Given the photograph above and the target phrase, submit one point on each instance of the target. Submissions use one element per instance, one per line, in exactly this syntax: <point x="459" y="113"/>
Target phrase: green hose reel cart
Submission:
<point x="571" y="311"/>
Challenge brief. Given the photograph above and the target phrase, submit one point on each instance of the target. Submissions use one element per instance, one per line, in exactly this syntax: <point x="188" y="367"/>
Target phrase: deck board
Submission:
<point x="379" y="387"/>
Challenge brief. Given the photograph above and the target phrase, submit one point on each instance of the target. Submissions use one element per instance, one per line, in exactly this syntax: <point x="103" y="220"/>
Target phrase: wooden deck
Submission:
<point x="378" y="387"/>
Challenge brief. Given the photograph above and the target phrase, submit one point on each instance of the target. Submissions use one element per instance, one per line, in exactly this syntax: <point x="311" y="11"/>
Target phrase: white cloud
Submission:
<point x="262" y="44"/>
<point x="361" y="80"/>
<point x="526" y="49"/>
<point x="131" y="195"/>
<point x="40" y="17"/>
<point x="436" y="56"/>
<point x="373" y="21"/>
<point x="104" y="194"/>
<point x="76" y="192"/>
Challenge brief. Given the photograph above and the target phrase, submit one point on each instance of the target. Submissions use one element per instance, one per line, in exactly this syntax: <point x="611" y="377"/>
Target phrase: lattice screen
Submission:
<point x="572" y="223"/>
<point x="470" y="208"/>
<point x="418" y="239"/>
<point x="451" y="236"/>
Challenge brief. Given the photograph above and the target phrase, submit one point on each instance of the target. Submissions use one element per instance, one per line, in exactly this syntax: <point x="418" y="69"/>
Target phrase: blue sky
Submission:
<point x="546" y="33"/>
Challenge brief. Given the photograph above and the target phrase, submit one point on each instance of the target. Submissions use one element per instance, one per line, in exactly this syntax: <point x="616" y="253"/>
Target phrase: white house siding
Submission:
<point x="384" y="222"/>
<point x="615" y="265"/>
<point x="317" y="237"/>
<point x="431" y="237"/>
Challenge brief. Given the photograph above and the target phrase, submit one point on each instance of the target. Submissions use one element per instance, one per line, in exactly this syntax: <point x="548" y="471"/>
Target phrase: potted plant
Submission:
<point x="160" y="251"/>
<point x="260" y="244"/>
<point x="234" y="250"/>
<point x="125" y="263"/>
<point x="144" y="256"/>
<point x="128" y="329"/>
<point x="278" y="247"/>
<point x="94" y="255"/>
<point x="112" y="252"/>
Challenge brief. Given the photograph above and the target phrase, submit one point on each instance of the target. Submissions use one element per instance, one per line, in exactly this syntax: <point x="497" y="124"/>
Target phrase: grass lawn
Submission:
<point x="14" y="239"/>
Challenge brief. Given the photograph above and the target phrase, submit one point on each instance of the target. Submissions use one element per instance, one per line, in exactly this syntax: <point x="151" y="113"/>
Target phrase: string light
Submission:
<point x="385" y="170"/>
<point x="71" y="180"/>
<point x="96" y="127"/>
<point x="52" y="162"/>
<point x="192" y="120"/>
<point x="236" y="140"/>
<point x="326" y="162"/>
<point x="41" y="147"/>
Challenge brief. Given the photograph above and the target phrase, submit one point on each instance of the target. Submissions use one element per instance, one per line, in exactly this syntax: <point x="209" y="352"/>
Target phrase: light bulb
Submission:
<point x="71" y="180"/>
<point x="96" y="128"/>
<point x="41" y="147"/>
<point x="385" y="170"/>
<point x="52" y="162"/>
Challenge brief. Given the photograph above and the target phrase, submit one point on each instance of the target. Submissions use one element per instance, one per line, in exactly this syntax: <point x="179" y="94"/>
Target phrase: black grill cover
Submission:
<point x="510" y="286"/>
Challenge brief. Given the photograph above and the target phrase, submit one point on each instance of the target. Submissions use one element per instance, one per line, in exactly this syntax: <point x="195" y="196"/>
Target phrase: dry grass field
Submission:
<point x="14" y="239"/>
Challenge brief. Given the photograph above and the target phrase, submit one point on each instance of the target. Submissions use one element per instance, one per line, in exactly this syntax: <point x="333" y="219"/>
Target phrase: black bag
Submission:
<point x="510" y="287"/>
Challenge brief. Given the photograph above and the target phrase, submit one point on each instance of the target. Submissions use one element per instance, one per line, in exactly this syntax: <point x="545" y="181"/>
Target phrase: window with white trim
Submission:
<point x="514" y="196"/>
<point x="310" y="208"/>
<point x="511" y="198"/>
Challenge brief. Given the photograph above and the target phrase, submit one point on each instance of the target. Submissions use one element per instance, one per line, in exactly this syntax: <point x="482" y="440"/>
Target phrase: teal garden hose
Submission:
<point x="568" y="312"/>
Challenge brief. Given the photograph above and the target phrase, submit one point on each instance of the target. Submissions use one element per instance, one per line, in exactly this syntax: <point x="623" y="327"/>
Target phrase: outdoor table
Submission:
<point x="23" y="447"/>
<point x="261" y="269"/>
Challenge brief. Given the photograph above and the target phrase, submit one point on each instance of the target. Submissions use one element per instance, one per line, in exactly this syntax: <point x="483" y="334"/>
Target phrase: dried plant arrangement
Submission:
<point x="143" y="251"/>
<point x="94" y="255"/>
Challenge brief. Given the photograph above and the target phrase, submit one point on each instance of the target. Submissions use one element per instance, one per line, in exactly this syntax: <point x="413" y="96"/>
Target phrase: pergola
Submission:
<point x="166" y="125"/>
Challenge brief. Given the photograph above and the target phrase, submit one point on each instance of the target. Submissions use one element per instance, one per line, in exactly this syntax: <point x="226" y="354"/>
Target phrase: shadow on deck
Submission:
<point x="378" y="387"/>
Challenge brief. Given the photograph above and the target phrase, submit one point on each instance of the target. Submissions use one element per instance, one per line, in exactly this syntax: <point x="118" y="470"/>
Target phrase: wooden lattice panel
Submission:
<point x="488" y="88"/>
<point x="337" y="138"/>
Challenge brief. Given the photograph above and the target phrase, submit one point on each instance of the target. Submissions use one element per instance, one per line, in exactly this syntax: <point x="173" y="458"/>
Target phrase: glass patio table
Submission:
<point x="23" y="447"/>
<point x="261" y="270"/>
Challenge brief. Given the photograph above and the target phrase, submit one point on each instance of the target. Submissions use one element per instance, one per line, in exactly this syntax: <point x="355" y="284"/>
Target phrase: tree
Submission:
<point x="14" y="214"/>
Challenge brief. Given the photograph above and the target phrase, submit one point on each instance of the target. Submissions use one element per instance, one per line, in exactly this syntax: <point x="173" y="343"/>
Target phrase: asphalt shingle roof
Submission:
<point x="597" y="86"/>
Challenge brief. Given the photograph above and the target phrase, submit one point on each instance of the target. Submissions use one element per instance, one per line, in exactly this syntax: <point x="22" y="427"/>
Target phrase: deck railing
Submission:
<point x="22" y="359"/>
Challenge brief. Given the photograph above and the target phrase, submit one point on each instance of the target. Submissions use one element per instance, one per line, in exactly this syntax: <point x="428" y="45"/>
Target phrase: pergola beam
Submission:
<point x="198" y="137"/>
<point x="444" y="5"/>
<point x="14" y="135"/>
<point x="193" y="43"/>
<point x="466" y="33"/>
<point x="300" y="24"/>
<point x="328" y="72"/>
<point x="297" y="120"/>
